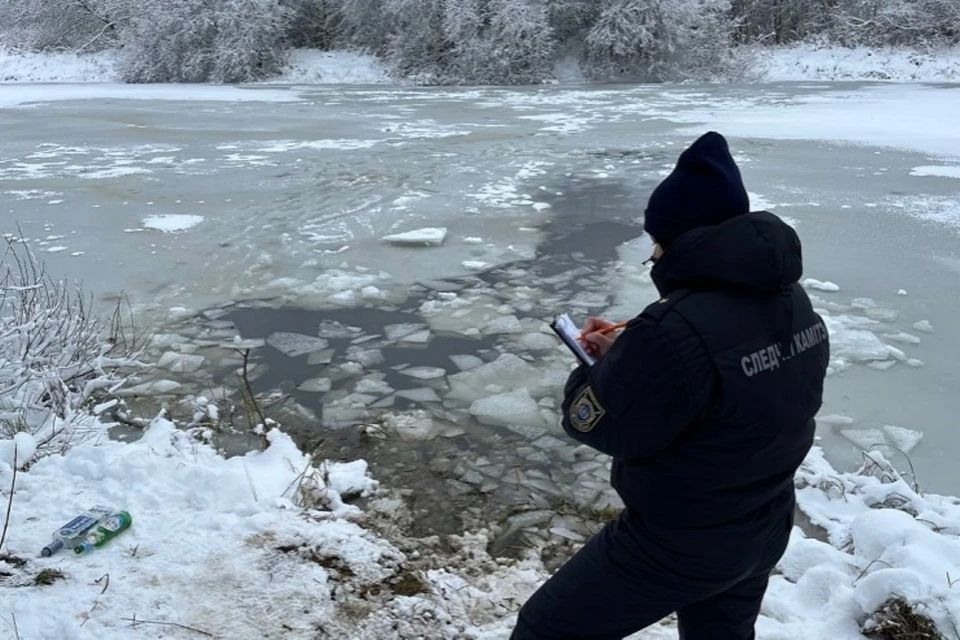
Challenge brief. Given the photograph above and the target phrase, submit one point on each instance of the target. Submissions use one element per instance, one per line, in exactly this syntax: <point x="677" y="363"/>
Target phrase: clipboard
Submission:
<point x="567" y="331"/>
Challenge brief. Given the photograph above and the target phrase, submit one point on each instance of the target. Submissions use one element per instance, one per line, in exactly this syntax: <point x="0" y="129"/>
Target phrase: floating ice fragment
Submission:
<point x="466" y="362"/>
<point x="172" y="222"/>
<point x="373" y="385"/>
<point x="924" y="325"/>
<point x="902" y="292"/>
<point x="352" y="368"/>
<point x="180" y="362"/>
<point x="346" y="298"/>
<point x="424" y="373"/>
<point x="295" y="344"/>
<point x="512" y="409"/>
<point x="864" y="438"/>
<point x="835" y="419"/>
<point x="538" y="342"/>
<point x="507" y="371"/>
<point x="429" y="236"/>
<point x="315" y="385"/>
<point x="421" y="337"/>
<point x="904" y="439"/>
<point x="421" y="394"/>
<point x="504" y="324"/>
<point x="906" y="338"/>
<point x="324" y="356"/>
<point x="396" y="331"/>
<point x="810" y="283"/>
<point x="371" y="293"/>
<point x="366" y="357"/>
<point x="474" y="265"/>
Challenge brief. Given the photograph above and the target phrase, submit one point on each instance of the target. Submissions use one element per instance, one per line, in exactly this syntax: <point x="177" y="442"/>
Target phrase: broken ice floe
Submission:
<point x="511" y="409"/>
<point x="924" y="325"/>
<point x="429" y="236"/>
<point x="811" y="283"/>
<point x="316" y="385"/>
<point x="180" y="362"/>
<point x="295" y="344"/>
<point x="890" y="435"/>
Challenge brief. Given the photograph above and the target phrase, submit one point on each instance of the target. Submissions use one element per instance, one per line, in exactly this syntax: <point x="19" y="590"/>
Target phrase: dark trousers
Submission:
<point x="613" y="587"/>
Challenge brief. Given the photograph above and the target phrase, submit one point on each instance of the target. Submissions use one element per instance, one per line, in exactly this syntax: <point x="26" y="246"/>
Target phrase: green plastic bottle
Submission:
<point x="106" y="531"/>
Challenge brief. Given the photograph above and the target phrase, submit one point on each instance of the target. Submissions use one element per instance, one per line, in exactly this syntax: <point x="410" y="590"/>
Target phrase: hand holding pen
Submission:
<point x="596" y="338"/>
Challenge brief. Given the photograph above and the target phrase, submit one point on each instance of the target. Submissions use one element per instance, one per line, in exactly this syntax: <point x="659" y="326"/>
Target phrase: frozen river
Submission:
<point x="190" y="198"/>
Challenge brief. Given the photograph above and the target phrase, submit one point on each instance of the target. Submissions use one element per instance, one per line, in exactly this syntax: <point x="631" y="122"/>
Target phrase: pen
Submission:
<point x="606" y="330"/>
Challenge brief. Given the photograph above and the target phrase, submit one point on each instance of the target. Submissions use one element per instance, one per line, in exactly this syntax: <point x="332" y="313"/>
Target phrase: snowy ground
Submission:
<point x="263" y="546"/>
<point x="804" y="63"/>
<point x="792" y="63"/>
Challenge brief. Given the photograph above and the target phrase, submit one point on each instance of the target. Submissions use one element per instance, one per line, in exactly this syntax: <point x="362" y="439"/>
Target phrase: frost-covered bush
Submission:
<point x="469" y="41"/>
<point x="56" y="358"/>
<point x="657" y="40"/>
<point x="897" y="22"/>
<point x="204" y="41"/>
<point x="76" y="25"/>
<point x="849" y="22"/>
<point x="313" y="24"/>
<point x="498" y="41"/>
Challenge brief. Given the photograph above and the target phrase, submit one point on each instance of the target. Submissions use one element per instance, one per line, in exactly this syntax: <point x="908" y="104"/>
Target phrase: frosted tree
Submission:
<point x="498" y="41"/>
<point x="659" y="39"/>
<point x="204" y="41"/>
<point x="364" y="24"/>
<point x="315" y="24"/>
<point x="417" y="45"/>
<point x="77" y="25"/>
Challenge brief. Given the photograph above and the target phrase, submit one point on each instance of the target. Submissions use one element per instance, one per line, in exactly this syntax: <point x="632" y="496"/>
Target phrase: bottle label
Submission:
<point x="77" y="525"/>
<point x="113" y="524"/>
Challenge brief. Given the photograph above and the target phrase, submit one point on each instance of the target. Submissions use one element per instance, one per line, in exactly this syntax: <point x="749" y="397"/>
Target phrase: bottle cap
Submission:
<point x="51" y="548"/>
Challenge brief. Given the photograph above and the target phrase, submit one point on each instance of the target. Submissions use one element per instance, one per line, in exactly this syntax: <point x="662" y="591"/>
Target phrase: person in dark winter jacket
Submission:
<point x="706" y="403"/>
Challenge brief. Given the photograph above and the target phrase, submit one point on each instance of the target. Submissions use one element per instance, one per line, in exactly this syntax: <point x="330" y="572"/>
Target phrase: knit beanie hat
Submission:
<point x="704" y="189"/>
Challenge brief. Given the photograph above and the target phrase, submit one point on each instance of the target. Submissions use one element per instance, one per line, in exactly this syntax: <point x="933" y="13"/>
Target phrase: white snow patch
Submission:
<point x="171" y="222"/>
<point x="310" y="66"/>
<point x="810" y="62"/>
<point x="908" y="117"/>
<point x="937" y="171"/>
<point x="50" y="67"/>
<point x="29" y="94"/>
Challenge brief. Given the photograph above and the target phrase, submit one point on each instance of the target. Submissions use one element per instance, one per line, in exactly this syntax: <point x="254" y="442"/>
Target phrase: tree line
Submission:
<point x="462" y="41"/>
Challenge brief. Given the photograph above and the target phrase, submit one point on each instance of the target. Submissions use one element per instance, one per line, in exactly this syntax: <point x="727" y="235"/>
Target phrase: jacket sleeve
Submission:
<point x="638" y="398"/>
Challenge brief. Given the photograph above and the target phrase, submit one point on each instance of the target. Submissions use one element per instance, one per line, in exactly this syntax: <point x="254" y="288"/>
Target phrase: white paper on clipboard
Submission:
<point x="564" y="327"/>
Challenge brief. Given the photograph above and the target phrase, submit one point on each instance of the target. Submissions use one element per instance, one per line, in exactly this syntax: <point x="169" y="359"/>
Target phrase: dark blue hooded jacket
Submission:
<point x="706" y="401"/>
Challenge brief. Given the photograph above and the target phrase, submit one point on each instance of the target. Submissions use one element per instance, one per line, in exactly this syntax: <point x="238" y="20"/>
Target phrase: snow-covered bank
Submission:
<point x="790" y="63"/>
<point x="305" y="66"/>
<point x="810" y="62"/>
<point x="32" y="67"/>
<point x="263" y="544"/>
<point x="309" y="66"/>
